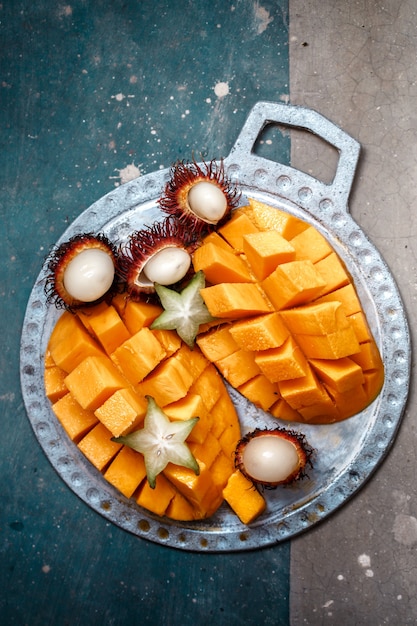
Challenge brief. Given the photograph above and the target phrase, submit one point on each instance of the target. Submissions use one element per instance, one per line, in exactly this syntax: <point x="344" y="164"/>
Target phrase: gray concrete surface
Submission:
<point x="355" y="62"/>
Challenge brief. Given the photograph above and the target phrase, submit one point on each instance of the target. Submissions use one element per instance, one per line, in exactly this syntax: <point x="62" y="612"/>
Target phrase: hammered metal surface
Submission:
<point x="347" y="452"/>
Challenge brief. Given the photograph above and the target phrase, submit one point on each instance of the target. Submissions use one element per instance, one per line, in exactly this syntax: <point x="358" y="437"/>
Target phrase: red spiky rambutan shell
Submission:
<point x="184" y="176"/>
<point x="301" y="447"/>
<point x="58" y="261"/>
<point x="142" y="245"/>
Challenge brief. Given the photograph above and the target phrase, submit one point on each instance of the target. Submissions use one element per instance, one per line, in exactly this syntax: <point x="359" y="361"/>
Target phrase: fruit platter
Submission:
<point x="214" y="356"/>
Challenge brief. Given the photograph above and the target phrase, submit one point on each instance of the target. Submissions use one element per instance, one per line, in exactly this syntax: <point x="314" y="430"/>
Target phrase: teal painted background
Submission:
<point x="86" y="90"/>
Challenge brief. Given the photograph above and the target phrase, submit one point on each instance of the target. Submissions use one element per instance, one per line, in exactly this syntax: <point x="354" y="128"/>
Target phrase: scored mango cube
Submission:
<point x="316" y="318"/>
<point x="347" y="297"/>
<point x="333" y="272"/>
<point x="220" y="265"/>
<point x="360" y="326"/>
<point x="190" y="406"/>
<point x="266" y="217"/>
<point x="265" y="250"/>
<point x="368" y="356"/>
<point x="293" y="283"/>
<point x="235" y="229"/>
<point x="70" y="343"/>
<point x="261" y="391"/>
<point x="221" y="469"/>
<point x="217" y="344"/>
<point x="180" y="509"/>
<point x="235" y="300"/>
<point x="207" y="450"/>
<point x="136" y="315"/>
<point x="108" y="328"/>
<point x="122" y="412"/>
<point x="75" y="420"/>
<point x="192" y="486"/>
<point x="126" y="471"/>
<point x="342" y="374"/>
<point x="156" y="499"/>
<point x="222" y="416"/>
<point x="243" y="497"/>
<point x="324" y="409"/>
<point x="94" y="381"/>
<point x="283" y="411"/>
<point x="285" y="362"/>
<point x="238" y="367"/>
<point x="54" y="380"/>
<point x="207" y="386"/>
<point x="169" y="382"/>
<point x="310" y="244"/>
<point x="98" y="446"/>
<point x="303" y="391"/>
<point x="331" y="346"/>
<point x="259" y="333"/>
<point x="139" y="355"/>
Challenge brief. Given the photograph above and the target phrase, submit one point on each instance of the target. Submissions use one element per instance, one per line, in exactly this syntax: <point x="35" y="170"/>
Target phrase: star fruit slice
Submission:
<point x="161" y="442"/>
<point x="184" y="311"/>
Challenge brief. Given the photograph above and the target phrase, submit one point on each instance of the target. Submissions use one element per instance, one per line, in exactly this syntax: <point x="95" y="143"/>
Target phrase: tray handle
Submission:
<point x="264" y="113"/>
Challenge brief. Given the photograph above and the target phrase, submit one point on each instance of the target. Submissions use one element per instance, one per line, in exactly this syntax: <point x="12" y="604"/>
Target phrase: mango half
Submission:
<point x="292" y="336"/>
<point x="100" y="365"/>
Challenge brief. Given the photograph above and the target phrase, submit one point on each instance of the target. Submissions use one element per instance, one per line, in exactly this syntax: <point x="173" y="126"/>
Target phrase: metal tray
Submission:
<point x="347" y="452"/>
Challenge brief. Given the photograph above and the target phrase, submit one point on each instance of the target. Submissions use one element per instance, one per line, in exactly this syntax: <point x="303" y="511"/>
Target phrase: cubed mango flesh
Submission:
<point x="70" y="343"/>
<point x="316" y="319"/>
<point x="180" y="509"/>
<point x="98" y="447"/>
<point x="261" y="391"/>
<point x="54" y="380"/>
<point x="127" y="471"/>
<point x="207" y="387"/>
<point x="235" y="300"/>
<point x="169" y="382"/>
<point x="217" y="344"/>
<point x="243" y="497"/>
<point x="93" y="381"/>
<point x="207" y="450"/>
<point x="282" y="363"/>
<point x="238" y="367"/>
<point x="235" y="229"/>
<point x="347" y="297"/>
<point x="266" y="217"/>
<point x="190" y="406"/>
<point x="192" y="486"/>
<point x="320" y="317"/>
<point x="139" y="355"/>
<point x="310" y="244"/>
<point x="303" y="391"/>
<point x="265" y="250"/>
<point x="220" y="265"/>
<point x="259" y="333"/>
<point x="335" y="345"/>
<point x="108" y="328"/>
<point x="122" y="412"/>
<point x="75" y="420"/>
<point x="333" y="272"/>
<point x="156" y="499"/>
<point x="342" y="374"/>
<point x="293" y="283"/>
<point x="136" y="315"/>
